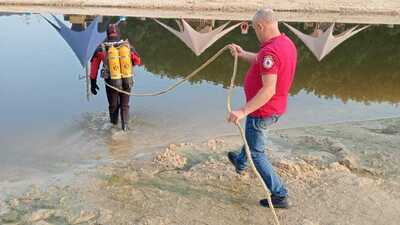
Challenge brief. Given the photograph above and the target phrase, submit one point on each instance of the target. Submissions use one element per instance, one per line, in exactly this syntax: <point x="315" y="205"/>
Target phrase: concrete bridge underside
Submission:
<point x="346" y="11"/>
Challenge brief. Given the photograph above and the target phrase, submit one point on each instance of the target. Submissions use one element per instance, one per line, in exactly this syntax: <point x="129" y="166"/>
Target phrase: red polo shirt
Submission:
<point x="276" y="56"/>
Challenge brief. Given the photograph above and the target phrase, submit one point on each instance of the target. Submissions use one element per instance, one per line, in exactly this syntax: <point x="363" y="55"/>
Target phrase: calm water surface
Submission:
<point x="48" y="126"/>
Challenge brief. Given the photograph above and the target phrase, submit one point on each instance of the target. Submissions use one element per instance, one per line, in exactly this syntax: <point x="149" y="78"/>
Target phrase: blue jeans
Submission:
<point x="256" y="136"/>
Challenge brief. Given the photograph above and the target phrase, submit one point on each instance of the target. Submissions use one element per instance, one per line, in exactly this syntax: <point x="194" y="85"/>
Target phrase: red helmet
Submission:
<point x="112" y="30"/>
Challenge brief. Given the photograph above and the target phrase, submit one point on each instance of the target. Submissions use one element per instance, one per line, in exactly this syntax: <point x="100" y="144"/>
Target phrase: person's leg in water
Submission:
<point x="113" y="99"/>
<point x="256" y="136"/>
<point x="127" y="84"/>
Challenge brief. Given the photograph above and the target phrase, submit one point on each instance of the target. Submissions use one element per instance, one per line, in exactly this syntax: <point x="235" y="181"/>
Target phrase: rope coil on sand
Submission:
<point x="229" y="108"/>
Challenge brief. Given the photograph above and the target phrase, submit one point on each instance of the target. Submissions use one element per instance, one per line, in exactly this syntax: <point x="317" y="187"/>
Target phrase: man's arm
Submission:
<point x="249" y="57"/>
<point x="95" y="63"/>
<point x="135" y="59"/>
<point x="261" y="98"/>
<point x="94" y="67"/>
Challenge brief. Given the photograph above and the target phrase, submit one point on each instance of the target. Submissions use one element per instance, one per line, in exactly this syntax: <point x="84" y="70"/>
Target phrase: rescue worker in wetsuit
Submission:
<point x="118" y="59"/>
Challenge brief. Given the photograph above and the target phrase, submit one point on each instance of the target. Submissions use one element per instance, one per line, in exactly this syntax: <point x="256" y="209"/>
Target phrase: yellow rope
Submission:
<point x="229" y="108"/>
<point x="246" y="145"/>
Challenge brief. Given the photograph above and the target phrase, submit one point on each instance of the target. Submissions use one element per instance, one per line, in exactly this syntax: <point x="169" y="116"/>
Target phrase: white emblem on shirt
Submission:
<point x="268" y="62"/>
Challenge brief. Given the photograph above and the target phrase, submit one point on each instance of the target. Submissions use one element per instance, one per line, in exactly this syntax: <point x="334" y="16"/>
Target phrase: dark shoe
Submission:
<point x="278" y="202"/>
<point x="125" y="127"/>
<point x="113" y="120"/>
<point x="232" y="158"/>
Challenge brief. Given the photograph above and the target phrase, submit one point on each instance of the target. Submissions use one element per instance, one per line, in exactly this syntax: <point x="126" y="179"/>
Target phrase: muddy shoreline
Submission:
<point x="344" y="173"/>
<point x="356" y="11"/>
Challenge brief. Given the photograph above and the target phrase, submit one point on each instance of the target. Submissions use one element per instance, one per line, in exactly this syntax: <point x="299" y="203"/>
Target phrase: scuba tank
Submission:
<point x="125" y="60"/>
<point x="114" y="63"/>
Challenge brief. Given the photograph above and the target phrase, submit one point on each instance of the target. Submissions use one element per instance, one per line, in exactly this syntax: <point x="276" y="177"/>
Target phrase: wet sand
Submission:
<point x="346" y="11"/>
<point x="345" y="173"/>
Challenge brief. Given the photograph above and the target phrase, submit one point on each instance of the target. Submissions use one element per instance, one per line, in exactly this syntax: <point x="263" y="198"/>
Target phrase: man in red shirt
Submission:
<point x="266" y="87"/>
<point x="118" y="102"/>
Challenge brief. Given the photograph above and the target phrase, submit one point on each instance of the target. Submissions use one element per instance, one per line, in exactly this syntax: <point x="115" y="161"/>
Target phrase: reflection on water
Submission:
<point x="42" y="97"/>
<point x="365" y="68"/>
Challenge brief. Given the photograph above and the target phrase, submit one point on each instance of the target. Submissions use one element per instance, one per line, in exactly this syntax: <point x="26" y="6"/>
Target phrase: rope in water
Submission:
<point x="229" y="108"/>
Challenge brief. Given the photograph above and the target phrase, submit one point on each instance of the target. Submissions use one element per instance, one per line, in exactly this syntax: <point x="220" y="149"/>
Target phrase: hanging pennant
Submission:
<point x="320" y="42"/>
<point x="83" y="43"/>
<point x="196" y="41"/>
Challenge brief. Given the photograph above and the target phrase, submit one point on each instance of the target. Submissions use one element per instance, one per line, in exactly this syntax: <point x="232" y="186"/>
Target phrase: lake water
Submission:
<point x="48" y="126"/>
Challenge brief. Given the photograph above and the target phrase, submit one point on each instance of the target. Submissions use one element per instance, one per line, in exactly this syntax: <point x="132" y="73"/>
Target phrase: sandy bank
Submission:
<point x="349" y="11"/>
<point x="336" y="174"/>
